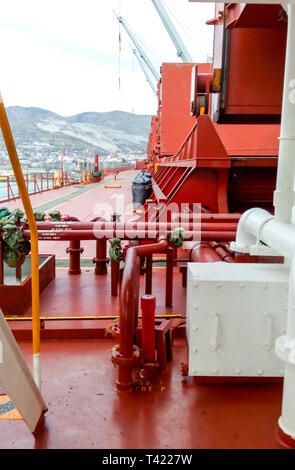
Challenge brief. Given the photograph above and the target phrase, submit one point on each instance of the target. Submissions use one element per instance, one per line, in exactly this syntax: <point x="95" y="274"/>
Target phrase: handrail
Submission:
<point x="12" y="152"/>
<point x="37" y="187"/>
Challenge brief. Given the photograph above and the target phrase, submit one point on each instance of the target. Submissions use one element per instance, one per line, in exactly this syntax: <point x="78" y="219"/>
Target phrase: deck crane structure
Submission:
<point x="182" y="51"/>
<point x="145" y="70"/>
<point x="139" y="48"/>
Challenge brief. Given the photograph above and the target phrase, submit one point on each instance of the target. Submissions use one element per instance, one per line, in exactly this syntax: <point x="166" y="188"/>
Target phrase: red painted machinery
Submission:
<point x="226" y="159"/>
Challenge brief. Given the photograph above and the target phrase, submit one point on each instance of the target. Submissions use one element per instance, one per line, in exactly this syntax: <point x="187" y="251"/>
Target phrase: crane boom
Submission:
<point x="138" y="47"/>
<point x="182" y="51"/>
<point x="144" y="69"/>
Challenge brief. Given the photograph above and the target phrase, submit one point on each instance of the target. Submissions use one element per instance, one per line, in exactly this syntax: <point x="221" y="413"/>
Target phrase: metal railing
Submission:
<point x="35" y="183"/>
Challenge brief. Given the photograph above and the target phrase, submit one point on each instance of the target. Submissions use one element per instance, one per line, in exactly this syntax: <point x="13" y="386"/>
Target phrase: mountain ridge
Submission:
<point x="104" y="132"/>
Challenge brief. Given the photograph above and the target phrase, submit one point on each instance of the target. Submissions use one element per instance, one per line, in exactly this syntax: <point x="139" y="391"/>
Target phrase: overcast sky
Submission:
<point x="62" y="55"/>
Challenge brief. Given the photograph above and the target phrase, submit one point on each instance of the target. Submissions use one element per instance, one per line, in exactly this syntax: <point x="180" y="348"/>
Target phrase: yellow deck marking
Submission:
<point x="113" y="186"/>
<point x="12" y="414"/>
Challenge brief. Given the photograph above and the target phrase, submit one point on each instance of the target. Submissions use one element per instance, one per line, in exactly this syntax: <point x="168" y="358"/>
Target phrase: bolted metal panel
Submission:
<point x="235" y="313"/>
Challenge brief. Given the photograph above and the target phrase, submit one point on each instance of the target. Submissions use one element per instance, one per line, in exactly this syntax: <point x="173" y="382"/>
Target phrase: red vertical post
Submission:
<point x="174" y="255"/>
<point x="75" y="252"/>
<point x="96" y="163"/>
<point x="8" y="195"/>
<point x="41" y="182"/>
<point x="169" y="277"/>
<point x="34" y="182"/>
<point x="37" y="184"/>
<point x="148" y="307"/>
<point x="115" y="277"/>
<point x="101" y="255"/>
<point x="148" y="274"/>
<point x="47" y="177"/>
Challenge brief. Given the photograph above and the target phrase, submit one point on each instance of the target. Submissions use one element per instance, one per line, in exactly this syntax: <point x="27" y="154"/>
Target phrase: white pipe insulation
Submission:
<point x="278" y="232"/>
<point x="284" y="193"/>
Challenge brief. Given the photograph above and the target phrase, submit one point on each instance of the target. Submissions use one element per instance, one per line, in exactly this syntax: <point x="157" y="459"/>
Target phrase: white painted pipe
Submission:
<point x="259" y="225"/>
<point x="284" y="194"/>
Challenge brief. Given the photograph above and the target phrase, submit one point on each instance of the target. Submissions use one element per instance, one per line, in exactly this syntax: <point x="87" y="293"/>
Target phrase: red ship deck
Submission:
<point x="78" y="378"/>
<point x="86" y="411"/>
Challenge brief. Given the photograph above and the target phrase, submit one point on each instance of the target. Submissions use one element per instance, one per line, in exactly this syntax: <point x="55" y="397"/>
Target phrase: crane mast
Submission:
<point x="181" y="49"/>
<point x="145" y="71"/>
<point x="138" y="47"/>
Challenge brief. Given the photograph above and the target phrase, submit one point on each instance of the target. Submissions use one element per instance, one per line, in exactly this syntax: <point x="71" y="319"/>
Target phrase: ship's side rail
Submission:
<point x="35" y="183"/>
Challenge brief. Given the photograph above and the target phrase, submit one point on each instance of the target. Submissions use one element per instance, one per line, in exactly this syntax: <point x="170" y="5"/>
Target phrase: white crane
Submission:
<point x="139" y="48"/>
<point x="145" y="70"/>
<point x="182" y="51"/>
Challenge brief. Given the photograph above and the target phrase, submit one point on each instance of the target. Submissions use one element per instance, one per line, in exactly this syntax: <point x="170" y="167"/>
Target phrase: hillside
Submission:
<point x="40" y="131"/>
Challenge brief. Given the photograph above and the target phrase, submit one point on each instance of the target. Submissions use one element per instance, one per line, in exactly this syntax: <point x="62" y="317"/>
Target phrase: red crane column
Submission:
<point x="96" y="166"/>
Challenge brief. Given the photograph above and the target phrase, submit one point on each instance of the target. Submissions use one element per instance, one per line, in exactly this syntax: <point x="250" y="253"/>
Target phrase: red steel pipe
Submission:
<point x="148" y="274"/>
<point x="204" y="253"/>
<point x="100" y="260"/>
<point x="207" y="217"/>
<point x="208" y="252"/>
<point x="66" y="235"/>
<point x="223" y="253"/>
<point x="112" y="228"/>
<point x="125" y="356"/>
<point x="75" y="252"/>
<point x="115" y="277"/>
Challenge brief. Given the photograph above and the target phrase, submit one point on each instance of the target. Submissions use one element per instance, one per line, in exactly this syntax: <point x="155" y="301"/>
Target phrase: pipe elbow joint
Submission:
<point x="249" y="228"/>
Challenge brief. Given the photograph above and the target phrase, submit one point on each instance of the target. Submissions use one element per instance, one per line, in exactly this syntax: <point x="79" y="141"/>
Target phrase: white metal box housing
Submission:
<point x="235" y="312"/>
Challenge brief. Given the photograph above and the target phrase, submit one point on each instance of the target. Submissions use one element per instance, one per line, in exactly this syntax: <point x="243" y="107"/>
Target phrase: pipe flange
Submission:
<point x="100" y="260"/>
<point x="285" y="350"/>
<point x="74" y="250"/>
<point x="120" y="360"/>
